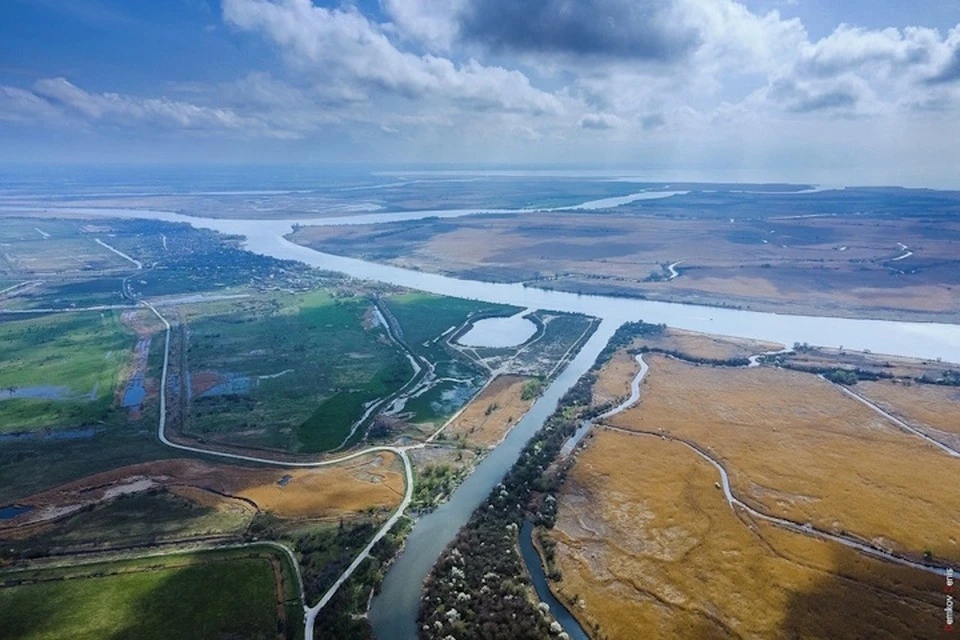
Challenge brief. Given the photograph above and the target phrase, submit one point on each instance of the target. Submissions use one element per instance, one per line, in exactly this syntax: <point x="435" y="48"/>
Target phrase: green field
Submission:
<point x="424" y="316"/>
<point x="32" y="256"/>
<point x="332" y="364"/>
<point x="75" y="356"/>
<point x="79" y="292"/>
<point x="204" y="595"/>
<point x="34" y="464"/>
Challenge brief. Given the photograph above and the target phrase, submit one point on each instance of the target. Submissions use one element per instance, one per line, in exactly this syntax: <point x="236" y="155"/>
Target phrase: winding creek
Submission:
<point x="394" y="610"/>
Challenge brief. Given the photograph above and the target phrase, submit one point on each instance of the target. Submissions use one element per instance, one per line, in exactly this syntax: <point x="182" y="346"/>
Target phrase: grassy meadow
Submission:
<point x="312" y="362"/>
<point x="224" y="594"/>
<point x="80" y="355"/>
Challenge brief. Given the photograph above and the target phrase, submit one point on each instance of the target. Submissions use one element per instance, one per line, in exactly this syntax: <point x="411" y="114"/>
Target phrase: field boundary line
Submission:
<point x="807" y="529"/>
<point x="106" y="246"/>
<point x="897" y="421"/>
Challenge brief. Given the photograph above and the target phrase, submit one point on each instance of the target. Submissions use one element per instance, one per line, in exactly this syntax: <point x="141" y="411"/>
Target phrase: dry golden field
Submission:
<point x="702" y="345"/>
<point x="923" y="405"/>
<point x="649" y="548"/>
<point x="820" y="357"/>
<point x="613" y="380"/>
<point x="795" y="446"/>
<point x="489" y="416"/>
<point x="327" y="492"/>
<point x="829" y="265"/>
<point x="374" y="481"/>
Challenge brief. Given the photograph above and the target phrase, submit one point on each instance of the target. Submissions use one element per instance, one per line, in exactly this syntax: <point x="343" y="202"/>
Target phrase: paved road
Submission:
<point x="103" y="244"/>
<point x="309" y="611"/>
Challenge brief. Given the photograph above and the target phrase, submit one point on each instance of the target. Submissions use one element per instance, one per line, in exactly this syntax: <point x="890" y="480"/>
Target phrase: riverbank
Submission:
<point x="396" y="610"/>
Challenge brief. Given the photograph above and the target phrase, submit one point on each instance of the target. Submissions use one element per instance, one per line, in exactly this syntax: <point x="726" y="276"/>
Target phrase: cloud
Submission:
<point x="802" y="97"/>
<point x="56" y="101"/>
<point x="429" y="22"/>
<point x="950" y="72"/>
<point x="640" y="30"/>
<point x="856" y="71"/>
<point x="651" y="121"/>
<point x="534" y="78"/>
<point x="24" y="107"/>
<point x="599" y="121"/>
<point x="853" y="48"/>
<point x="342" y="45"/>
<point x="120" y="109"/>
<point x="736" y="40"/>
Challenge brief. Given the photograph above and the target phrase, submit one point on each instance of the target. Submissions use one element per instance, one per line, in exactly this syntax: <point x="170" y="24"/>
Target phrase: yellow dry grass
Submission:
<point x="888" y="365"/>
<point x="613" y="380"/>
<point x="489" y="416"/>
<point x="370" y="481"/>
<point x="204" y="498"/>
<point x="649" y="548"/>
<point x="374" y="481"/>
<point x="796" y="446"/>
<point x="578" y="252"/>
<point x="701" y="345"/>
<point x="924" y="404"/>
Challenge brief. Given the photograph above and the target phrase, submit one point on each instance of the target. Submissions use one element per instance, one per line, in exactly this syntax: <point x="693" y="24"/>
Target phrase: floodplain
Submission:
<point x="645" y="540"/>
<point x="852" y="253"/>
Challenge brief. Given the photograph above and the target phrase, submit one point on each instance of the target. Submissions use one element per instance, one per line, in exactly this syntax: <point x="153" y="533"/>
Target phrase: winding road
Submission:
<point x="807" y="528"/>
<point x="672" y="268"/>
<point x="268" y="238"/>
<point x="735" y="502"/>
<point x="310" y="612"/>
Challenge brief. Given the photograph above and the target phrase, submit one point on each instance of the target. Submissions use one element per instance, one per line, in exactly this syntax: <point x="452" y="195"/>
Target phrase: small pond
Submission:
<point x="499" y="332"/>
<point x="11" y="511"/>
<point x="135" y="393"/>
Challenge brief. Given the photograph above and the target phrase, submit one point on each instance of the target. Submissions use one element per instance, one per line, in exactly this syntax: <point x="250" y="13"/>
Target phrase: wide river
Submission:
<point x="394" y="611"/>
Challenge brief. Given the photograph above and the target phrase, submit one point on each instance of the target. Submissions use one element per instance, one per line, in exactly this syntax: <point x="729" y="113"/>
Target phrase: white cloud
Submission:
<point x="432" y="23"/>
<point x="600" y="121"/>
<point x="698" y="75"/>
<point x="343" y="45"/>
<point x="58" y="101"/>
<point x="883" y="51"/>
<point x="24" y="107"/>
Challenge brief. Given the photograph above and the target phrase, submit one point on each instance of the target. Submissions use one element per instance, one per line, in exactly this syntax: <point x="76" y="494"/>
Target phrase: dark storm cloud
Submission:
<point x="617" y="29"/>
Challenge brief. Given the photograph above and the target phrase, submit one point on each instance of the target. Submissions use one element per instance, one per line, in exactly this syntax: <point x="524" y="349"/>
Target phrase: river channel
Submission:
<point x="394" y="611"/>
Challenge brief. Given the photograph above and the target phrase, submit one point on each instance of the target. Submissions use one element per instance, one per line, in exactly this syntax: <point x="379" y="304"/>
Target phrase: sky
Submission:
<point x="829" y="91"/>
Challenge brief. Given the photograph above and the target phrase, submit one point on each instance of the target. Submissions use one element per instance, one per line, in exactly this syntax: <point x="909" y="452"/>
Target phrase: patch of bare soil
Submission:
<point x="488" y="417"/>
